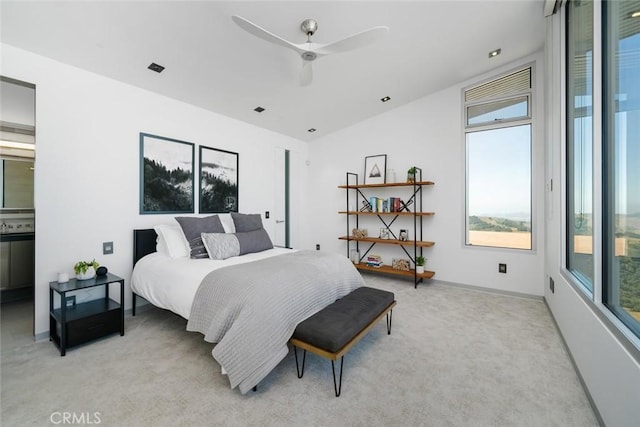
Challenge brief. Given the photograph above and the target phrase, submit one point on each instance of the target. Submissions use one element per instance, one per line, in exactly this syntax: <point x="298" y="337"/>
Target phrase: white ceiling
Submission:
<point x="212" y="63"/>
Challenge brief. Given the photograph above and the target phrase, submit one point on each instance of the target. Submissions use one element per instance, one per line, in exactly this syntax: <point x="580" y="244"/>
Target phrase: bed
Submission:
<point x="248" y="305"/>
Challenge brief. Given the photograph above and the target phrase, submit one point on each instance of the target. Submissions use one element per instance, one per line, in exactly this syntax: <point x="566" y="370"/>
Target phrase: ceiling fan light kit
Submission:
<point x="308" y="50"/>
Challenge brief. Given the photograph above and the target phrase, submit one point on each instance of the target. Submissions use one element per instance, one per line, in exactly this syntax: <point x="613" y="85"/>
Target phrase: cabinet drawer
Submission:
<point x="92" y="327"/>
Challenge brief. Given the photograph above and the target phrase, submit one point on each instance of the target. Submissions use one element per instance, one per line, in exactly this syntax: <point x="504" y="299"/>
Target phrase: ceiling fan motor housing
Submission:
<point x="309" y="26"/>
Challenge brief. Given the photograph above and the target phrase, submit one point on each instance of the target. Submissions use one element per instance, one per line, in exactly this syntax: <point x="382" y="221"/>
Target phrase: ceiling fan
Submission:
<point x="308" y="50"/>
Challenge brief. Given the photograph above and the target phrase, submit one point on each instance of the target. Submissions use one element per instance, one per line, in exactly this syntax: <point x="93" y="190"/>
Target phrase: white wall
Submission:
<point x="609" y="370"/>
<point x="87" y="164"/>
<point x="428" y="133"/>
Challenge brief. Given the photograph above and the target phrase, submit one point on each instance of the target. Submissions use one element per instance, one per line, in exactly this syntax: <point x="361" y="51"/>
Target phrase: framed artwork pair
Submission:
<point x="167" y="175"/>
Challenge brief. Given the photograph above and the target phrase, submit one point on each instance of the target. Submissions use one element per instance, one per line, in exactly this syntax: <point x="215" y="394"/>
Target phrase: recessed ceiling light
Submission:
<point x="494" y="53"/>
<point x="312" y="130"/>
<point x="258" y="109"/>
<point x="635" y="14"/>
<point x="385" y="99"/>
<point x="155" y="67"/>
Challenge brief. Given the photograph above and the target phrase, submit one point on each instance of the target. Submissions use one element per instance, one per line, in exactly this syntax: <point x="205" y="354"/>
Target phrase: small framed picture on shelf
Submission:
<point x="404" y="235"/>
<point x="375" y="169"/>
<point x="384" y="233"/>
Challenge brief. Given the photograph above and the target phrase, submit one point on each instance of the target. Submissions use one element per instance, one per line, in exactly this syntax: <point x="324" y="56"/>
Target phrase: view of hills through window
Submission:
<point x="499" y="187"/>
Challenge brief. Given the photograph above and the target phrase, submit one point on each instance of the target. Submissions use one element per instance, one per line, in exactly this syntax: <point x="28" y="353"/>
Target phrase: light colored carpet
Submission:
<point x="455" y="357"/>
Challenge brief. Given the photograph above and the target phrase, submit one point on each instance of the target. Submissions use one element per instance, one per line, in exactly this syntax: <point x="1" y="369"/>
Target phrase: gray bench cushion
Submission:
<point x="335" y="325"/>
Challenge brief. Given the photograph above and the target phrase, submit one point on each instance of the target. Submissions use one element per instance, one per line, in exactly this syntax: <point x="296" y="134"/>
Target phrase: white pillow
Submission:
<point x="227" y="223"/>
<point x="172" y="238"/>
<point x="161" y="246"/>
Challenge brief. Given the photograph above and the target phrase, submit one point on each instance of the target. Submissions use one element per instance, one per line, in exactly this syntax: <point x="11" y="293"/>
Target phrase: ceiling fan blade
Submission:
<point x="355" y="41"/>
<point x="260" y="32"/>
<point x="306" y="74"/>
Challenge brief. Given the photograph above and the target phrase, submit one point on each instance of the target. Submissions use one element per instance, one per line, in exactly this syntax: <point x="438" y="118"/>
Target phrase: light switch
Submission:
<point x="107" y="248"/>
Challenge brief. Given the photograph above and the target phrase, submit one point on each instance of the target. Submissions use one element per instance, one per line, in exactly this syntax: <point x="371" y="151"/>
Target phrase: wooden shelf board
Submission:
<point x="387" y="213"/>
<point x="422" y="244"/>
<point x="389" y="270"/>
<point x="390" y="184"/>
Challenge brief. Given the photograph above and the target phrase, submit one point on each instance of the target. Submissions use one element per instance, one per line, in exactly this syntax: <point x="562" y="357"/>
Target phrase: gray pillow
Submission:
<point x="193" y="227"/>
<point x="223" y="246"/>
<point x="246" y="222"/>
<point x="254" y="241"/>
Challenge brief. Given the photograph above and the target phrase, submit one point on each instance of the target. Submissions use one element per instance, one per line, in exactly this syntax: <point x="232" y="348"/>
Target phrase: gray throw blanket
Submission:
<point x="251" y="310"/>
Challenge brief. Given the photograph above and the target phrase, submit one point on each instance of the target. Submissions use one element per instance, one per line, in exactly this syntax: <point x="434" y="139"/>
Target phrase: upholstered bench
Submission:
<point x="332" y="331"/>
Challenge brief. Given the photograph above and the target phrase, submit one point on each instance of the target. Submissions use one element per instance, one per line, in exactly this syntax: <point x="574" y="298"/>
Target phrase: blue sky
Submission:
<point x="499" y="167"/>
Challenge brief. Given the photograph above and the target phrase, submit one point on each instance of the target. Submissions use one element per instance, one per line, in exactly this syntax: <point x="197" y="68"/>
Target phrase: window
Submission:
<point x="613" y="201"/>
<point x="621" y="153"/>
<point x="580" y="142"/>
<point x="498" y="162"/>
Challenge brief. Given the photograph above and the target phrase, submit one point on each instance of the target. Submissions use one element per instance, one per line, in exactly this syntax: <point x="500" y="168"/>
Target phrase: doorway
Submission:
<point x="17" y="210"/>
<point x="282" y="230"/>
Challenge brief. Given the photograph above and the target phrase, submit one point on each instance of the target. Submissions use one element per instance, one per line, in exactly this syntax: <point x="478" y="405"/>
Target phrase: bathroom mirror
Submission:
<point x="16" y="184"/>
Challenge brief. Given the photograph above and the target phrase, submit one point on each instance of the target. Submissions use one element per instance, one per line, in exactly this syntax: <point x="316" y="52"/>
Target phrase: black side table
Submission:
<point x="72" y="324"/>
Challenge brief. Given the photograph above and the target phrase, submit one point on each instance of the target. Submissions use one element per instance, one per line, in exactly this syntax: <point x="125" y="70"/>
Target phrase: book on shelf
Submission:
<point x="373" y="201"/>
<point x="374" y="261"/>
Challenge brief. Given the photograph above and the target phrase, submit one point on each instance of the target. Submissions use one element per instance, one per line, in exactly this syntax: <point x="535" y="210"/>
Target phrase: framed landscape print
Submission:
<point x="375" y="169"/>
<point x="166" y="175"/>
<point x="218" y="181"/>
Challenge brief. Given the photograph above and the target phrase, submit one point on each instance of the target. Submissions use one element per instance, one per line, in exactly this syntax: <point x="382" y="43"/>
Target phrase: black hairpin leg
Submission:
<point x="304" y="357"/>
<point x="389" y="318"/>
<point x="337" y="387"/>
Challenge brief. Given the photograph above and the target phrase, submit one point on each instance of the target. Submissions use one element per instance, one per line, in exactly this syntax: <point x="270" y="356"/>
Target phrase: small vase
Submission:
<point x="419" y="269"/>
<point x="89" y="274"/>
<point x="411" y="177"/>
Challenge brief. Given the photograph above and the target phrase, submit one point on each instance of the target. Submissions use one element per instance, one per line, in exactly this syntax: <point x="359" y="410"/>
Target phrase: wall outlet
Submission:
<point x="502" y="268"/>
<point x="266" y="215"/>
<point x="552" y="285"/>
<point x="317" y="246"/>
<point x="107" y="248"/>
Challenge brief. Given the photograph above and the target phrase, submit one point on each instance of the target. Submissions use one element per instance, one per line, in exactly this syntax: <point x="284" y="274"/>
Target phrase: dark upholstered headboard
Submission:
<point x="144" y="243"/>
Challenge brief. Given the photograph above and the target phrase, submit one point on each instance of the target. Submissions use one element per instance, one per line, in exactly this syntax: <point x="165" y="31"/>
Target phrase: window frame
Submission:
<point x="530" y="94"/>
<point x="626" y="336"/>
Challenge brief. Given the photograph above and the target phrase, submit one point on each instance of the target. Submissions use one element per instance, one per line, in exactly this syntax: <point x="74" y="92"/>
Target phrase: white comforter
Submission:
<point x="172" y="283"/>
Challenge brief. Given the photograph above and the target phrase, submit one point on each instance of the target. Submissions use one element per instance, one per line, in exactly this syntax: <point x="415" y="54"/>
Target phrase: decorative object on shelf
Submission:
<point x="85" y="269"/>
<point x="401" y="264"/>
<point x="420" y="264"/>
<point x="166" y="175"/>
<point x="375" y="169"/>
<point x="411" y="174"/>
<point x="374" y="261"/>
<point x="355" y="256"/>
<point x="384" y="233"/>
<point x="366" y="206"/>
<point x="360" y="233"/>
<point x="218" y="180"/>
<point x="403" y="236"/>
<point x="102" y="271"/>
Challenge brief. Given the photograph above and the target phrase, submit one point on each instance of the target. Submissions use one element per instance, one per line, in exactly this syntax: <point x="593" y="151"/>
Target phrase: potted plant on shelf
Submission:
<point x="411" y="174"/>
<point x="420" y="264"/>
<point x="85" y="269"/>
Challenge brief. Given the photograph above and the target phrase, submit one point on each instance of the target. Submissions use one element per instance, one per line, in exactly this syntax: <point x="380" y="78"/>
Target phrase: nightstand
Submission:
<point x="72" y="324"/>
